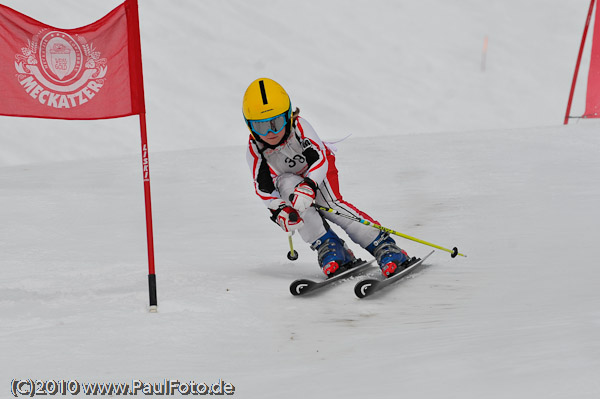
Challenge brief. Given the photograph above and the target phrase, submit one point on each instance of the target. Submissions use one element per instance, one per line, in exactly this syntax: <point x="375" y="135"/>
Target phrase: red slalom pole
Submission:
<point x="137" y="98"/>
<point x="585" y="30"/>
<point x="148" y="202"/>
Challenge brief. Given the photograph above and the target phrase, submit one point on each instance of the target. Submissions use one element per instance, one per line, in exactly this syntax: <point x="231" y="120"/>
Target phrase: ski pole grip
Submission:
<point x="293" y="217"/>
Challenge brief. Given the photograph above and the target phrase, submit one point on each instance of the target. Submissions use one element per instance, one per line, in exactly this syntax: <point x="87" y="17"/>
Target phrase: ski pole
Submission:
<point x="454" y="251"/>
<point x="292" y="255"/>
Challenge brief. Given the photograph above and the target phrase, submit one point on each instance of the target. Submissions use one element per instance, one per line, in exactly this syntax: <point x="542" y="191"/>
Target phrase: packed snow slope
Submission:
<point x="441" y="149"/>
<point x="368" y="68"/>
<point x="517" y="318"/>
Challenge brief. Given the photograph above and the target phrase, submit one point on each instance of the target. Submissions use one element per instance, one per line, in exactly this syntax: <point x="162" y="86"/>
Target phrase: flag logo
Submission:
<point x="60" y="70"/>
<point x="60" y="56"/>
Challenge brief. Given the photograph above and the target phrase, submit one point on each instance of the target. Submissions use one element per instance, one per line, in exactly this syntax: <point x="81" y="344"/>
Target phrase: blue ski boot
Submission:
<point x="389" y="256"/>
<point x="333" y="253"/>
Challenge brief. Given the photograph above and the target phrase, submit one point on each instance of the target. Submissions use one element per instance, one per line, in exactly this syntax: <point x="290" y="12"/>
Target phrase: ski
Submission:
<point x="305" y="286"/>
<point x="370" y="286"/>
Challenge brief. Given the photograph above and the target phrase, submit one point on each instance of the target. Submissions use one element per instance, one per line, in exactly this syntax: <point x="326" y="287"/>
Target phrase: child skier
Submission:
<point x="292" y="168"/>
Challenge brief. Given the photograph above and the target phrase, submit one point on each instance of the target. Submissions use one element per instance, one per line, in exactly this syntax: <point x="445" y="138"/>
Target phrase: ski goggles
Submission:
<point x="273" y="125"/>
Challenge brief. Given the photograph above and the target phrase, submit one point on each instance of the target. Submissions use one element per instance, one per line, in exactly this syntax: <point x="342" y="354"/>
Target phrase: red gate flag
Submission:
<point x="92" y="72"/>
<point x="592" y="99"/>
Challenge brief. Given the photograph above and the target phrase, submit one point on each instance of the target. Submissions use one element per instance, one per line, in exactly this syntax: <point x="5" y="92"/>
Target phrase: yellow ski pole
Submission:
<point x="292" y="254"/>
<point x="453" y="252"/>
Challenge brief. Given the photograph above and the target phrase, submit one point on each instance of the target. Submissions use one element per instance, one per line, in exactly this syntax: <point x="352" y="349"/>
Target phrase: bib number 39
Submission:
<point x="292" y="162"/>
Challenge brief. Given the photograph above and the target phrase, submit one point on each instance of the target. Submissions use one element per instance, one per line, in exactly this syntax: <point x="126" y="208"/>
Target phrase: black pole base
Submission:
<point x="152" y="291"/>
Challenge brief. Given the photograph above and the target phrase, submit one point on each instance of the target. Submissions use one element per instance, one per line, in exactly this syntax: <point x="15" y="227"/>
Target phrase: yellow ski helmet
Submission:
<point x="265" y="99"/>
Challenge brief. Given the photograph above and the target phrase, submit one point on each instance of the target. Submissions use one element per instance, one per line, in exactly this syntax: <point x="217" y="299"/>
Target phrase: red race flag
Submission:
<point x="92" y="72"/>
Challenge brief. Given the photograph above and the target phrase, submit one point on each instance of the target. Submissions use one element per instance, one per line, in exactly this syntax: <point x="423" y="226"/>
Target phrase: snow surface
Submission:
<point x="441" y="150"/>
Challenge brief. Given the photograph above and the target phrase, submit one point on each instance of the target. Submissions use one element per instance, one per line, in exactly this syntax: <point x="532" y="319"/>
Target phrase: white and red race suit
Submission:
<point x="278" y="169"/>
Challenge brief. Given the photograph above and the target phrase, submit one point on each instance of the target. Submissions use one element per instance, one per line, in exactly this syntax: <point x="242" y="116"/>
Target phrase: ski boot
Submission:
<point x="334" y="256"/>
<point x="390" y="257"/>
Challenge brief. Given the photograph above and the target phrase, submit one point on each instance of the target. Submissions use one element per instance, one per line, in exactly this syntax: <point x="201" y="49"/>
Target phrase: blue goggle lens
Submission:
<point x="264" y="126"/>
